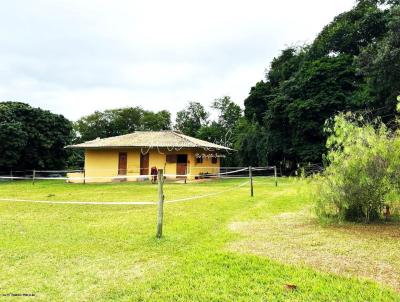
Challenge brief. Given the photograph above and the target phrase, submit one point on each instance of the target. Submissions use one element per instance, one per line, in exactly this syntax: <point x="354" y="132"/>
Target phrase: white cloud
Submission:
<point x="74" y="57"/>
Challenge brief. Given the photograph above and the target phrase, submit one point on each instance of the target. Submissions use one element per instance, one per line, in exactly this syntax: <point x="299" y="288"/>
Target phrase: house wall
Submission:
<point x="102" y="165"/>
<point x="205" y="167"/>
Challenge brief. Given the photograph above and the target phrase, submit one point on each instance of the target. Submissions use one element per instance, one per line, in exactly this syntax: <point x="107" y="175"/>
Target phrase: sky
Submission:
<point x="77" y="56"/>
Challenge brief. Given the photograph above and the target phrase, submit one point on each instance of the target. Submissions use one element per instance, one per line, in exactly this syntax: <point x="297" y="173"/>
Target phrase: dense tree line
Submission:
<point x="120" y="121"/>
<point x="115" y="122"/>
<point x="352" y="65"/>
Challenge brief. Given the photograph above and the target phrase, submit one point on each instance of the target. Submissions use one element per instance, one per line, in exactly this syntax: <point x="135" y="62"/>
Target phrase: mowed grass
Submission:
<point x="55" y="190"/>
<point x="210" y="250"/>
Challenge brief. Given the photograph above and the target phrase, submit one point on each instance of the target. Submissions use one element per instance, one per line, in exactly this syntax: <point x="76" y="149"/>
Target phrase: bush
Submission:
<point x="363" y="170"/>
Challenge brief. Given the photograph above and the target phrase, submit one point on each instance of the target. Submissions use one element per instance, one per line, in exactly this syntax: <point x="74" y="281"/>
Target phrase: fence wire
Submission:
<point x="56" y="182"/>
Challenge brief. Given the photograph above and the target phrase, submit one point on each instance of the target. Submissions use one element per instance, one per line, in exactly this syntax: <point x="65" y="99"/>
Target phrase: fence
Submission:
<point x="245" y="174"/>
<point x="110" y="175"/>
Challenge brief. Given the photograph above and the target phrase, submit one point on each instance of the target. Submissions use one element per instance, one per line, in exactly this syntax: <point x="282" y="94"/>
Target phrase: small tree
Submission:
<point x="364" y="165"/>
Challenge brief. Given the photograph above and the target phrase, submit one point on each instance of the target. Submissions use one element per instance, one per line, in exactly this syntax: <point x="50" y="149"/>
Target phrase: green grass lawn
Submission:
<point x="228" y="247"/>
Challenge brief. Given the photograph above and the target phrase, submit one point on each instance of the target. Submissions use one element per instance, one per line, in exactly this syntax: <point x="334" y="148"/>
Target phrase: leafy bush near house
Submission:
<point x="363" y="170"/>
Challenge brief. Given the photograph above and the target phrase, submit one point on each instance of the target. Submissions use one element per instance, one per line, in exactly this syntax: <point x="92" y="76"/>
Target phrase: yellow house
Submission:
<point x="131" y="157"/>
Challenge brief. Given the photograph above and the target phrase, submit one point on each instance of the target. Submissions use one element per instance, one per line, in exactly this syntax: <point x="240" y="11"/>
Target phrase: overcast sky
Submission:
<point x="74" y="57"/>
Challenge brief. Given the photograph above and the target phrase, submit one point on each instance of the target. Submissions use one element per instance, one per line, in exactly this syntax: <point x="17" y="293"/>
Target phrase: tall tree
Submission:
<point x="379" y="62"/>
<point x="191" y="119"/>
<point x="228" y="112"/>
<point x="351" y="65"/>
<point x="32" y="138"/>
<point x="250" y="141"/>
<point x="223" y="131"/>
<point x="256" y="103"/>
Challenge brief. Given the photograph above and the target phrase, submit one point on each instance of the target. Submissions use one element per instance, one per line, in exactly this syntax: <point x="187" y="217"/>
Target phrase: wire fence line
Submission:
<point x="63" y="174"/>
<point x="136" y="203"/>
<point x="130" y="169"/>
<point x="209" y="194"/>
<point x="239" y="173"/>
<point x="80" y="202"/>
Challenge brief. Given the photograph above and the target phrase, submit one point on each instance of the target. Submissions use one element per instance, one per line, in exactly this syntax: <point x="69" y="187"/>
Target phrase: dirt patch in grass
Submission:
<point x="368" y="251"/>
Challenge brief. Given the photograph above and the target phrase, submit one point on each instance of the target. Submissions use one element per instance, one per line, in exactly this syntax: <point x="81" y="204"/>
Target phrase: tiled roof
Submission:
<point x="161" y="139"/>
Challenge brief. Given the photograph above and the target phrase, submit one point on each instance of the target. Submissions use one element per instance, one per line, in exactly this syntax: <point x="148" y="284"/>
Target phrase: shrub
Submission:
<point x="362" y="172"/>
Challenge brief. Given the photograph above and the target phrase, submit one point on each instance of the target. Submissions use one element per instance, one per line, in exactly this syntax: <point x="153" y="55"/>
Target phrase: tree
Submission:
<point x="91" y="127"/>
<point x="321" y="88"/>
<point x="13" y="140"/>
<point x="256" y="103"/>
<point x="32" y="138"/>
<point x="228" y="112"/>
<point x="379" y="63"/>
<point x="250" y="141"/>
<point x="351" y="31"/>
<point x="190" y="120"/>
<point x="223" y="130"/>
<point x="351" y="65"/>
<point x="156" y="121"/>
<point x="213" y="132"/>
<point x="120" y="121"/>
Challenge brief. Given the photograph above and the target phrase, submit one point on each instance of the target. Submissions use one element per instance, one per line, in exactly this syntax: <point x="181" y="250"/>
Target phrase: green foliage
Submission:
<point x="194" y="121"/>
<point x="228" y="112"/>
<point x="256" y="103"/>
<point x="156" y="121"/>
<point x="250" y="141"/>
<point x="32" y="138"/>
<point x="13" y="140"/>
<point x="213" y="132"/>
<point x="110" y="253"/>
<point x="191" y="119"/>
<point x="363" y="171"/>
<point x="353" y="64"/>
<point x="120" y="121"/>
<point x="351" y="31"/>
<point x="380" y="64"/>
<point x="224" y="129"/>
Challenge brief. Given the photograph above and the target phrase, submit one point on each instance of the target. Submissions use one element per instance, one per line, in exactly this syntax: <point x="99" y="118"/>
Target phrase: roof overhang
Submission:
<point x="208" y="149"/>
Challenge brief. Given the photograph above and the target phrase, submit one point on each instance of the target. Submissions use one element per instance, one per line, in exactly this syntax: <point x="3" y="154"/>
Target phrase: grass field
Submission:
<point x="227" y="247"/>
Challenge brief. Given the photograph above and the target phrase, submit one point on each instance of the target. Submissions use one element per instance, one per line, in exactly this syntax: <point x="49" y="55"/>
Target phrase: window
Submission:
<point x="214" y="160"/>
<point x="171" y="158"/>
<point x="199" y="159"/>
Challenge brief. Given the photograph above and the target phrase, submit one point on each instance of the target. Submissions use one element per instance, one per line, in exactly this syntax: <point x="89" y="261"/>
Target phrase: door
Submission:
<point x="144" y="164"/>
<point x="181" y="165"/>
<point x="122" y="163"/>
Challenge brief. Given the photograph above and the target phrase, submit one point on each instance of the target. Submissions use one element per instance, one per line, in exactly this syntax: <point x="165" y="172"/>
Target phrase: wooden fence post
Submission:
<point x="11" y="175"/>
<point x="160" y="203"/>
<point x="251" y="181"/>
<point x="33" y="177"/>
<point x="84" y="176"/>
<point x="276" y="176"/>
